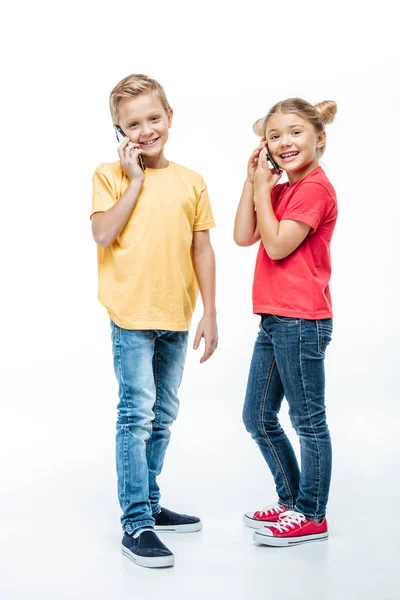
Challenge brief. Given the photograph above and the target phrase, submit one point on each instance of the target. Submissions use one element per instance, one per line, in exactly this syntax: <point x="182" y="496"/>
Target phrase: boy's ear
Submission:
<point x="170" y="115"/>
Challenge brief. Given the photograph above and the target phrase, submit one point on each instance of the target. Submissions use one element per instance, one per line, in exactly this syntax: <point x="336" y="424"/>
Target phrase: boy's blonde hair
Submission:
<point x="133" y="86"/>
<point x="318" y="115"/>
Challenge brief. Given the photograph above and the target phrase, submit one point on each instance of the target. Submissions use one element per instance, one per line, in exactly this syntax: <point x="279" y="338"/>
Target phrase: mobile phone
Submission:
<point x="120" y="137"/>
<point x="272" y="162"/>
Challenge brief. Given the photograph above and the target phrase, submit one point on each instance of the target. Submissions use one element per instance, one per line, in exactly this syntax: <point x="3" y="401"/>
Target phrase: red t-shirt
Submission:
<point x="298" y="285"/>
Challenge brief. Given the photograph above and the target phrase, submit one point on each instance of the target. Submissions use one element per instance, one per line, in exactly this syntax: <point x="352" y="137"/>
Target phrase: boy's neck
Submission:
<point x="156" y="162"/>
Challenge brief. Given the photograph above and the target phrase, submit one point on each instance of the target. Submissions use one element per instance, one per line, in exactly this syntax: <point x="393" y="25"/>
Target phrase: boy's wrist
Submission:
<point x="136" y="182"/>
<point x="210" y="312"/>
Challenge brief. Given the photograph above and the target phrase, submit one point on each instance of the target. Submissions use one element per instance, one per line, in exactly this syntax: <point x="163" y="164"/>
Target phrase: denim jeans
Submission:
<point x="149" y="366"/>
<point x="288" y="360"/>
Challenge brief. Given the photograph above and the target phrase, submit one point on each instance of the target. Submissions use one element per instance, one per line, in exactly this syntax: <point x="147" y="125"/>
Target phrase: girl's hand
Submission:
<point x="264" y="175"/>
<point x="253" y="161"/>
<point x="128" y="153"/>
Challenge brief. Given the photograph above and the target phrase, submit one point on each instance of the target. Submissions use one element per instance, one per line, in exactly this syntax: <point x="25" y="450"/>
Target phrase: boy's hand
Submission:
<point x="265" y="176"/>
<point x="207" y="329"/>
<point x="253" y="161"/>
<point x="128" y="153"/>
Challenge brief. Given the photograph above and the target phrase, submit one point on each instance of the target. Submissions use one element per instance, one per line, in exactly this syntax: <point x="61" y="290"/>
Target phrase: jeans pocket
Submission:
<point x="262" y="328"/>
<point x="115" y="333"/>
<point x="286" y="320"/>
<point x="324" y="328"/>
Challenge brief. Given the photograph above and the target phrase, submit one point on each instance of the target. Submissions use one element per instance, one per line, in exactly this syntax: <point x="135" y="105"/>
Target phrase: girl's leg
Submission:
<point x="260" y="415"/>
<point x="299" y="347"/>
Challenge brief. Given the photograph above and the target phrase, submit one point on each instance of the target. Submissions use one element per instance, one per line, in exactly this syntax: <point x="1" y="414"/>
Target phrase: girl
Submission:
<point x="295" y="223"/>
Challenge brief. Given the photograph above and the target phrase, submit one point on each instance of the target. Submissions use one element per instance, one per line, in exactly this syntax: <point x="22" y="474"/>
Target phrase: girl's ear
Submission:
<point x="321" y="139"/>
<point x="170" y="115"/>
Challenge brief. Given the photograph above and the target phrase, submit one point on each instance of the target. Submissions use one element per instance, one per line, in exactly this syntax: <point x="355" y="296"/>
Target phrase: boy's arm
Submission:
<point x="204" y="266"/>
<point x="106" y="226"/>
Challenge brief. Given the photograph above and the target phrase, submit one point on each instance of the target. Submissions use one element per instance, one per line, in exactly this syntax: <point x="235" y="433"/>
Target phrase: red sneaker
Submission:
<point x="291" y="529"/>
<point x="269" y="514"/>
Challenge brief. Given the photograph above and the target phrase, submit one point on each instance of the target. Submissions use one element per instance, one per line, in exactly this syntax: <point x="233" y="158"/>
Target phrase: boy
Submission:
<point x="154" y="252"/>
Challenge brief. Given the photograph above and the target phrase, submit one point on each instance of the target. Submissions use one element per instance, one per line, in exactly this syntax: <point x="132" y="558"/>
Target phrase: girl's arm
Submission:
<point x="279" y="238"/>
<point x="246" y="231"/>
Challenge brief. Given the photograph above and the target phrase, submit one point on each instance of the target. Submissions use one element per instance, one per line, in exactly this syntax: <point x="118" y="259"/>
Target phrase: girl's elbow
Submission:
<point x="276" y="254"/>
<point x="272" y="251"/>
<point x="240" y="240"/>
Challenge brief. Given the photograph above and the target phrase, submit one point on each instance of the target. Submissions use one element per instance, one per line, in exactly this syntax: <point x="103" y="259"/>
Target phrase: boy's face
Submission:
<point x="144" y="120"/>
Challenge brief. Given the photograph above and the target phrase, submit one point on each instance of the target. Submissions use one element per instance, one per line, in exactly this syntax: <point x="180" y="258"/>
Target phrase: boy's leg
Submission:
<point x="133" y="363"/>
<point x="168" y="364"/>
<point x="299" y="346"/>
<point x="260" y="415"/>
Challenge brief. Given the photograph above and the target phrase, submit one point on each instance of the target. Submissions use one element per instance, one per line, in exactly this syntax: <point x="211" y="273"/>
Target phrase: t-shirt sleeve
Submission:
<point x="104" y="196"/>
<point x="204" y="218"/>
<point x="310" y="203"/>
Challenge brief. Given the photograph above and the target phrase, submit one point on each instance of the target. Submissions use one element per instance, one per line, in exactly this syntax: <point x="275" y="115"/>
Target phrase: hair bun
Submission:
<point x="327" y="110"/>
<point x="259" y="127"/>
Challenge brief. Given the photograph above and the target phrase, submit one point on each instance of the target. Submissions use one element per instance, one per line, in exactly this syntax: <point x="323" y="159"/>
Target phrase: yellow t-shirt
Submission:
<point x="146" y="277"/>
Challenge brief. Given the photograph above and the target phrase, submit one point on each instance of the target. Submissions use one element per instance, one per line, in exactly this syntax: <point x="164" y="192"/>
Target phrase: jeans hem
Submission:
<point x="131" y="528"/>
<point x="157" y="511"/>
<point x="286" y="505"/>
<point x="310" y="517"/>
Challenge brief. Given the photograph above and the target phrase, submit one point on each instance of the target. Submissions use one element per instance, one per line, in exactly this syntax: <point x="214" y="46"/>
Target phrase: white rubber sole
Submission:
<point x="269" y="540"/>
<point x="191" y="528"/>
<point x="254" y="524"/>
<point x="152" y="563"/>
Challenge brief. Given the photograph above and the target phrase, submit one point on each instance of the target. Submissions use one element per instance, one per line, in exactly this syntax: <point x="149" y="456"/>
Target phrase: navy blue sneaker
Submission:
<point x="166" y="520"/>
<point x="147" y="550"/>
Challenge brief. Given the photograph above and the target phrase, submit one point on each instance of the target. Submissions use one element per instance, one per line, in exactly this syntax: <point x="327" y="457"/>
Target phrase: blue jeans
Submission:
<point x="149" y="366"/>
<point x="288" y="360"/>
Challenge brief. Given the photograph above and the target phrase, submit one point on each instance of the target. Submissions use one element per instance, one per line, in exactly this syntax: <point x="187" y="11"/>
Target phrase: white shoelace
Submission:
<point x="273" y="508"/>
<point x="288" y="520"/>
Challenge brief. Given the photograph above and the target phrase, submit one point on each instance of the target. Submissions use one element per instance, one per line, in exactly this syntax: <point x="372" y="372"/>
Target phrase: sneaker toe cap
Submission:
<point x="169" y="518"/>
<point x="265" y="531"/>
<point x="153" y="552"/>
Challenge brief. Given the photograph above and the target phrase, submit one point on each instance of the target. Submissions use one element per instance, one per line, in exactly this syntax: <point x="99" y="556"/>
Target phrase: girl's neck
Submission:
<point x="294" y="177"/>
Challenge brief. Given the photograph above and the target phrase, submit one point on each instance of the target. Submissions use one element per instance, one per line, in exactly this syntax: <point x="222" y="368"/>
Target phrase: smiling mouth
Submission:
<point x="149" y="142"/>
<point x="287" y="155"/>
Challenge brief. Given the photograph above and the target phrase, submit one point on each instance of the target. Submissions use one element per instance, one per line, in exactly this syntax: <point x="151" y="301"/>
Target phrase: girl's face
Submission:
<point x="293" y="144"/>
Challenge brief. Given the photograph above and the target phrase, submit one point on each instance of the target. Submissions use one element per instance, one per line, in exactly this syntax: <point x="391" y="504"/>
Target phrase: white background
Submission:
<point x="223" y="65"/>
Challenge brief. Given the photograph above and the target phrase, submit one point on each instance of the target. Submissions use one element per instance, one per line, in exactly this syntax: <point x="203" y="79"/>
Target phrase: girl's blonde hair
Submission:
<point x="133" y="86"/>
<point x="319" y="115"/>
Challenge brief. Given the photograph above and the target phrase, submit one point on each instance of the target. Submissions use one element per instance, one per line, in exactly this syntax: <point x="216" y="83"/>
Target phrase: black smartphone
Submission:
<point x="120" y="137"/>
<point x="272" y="162"/>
